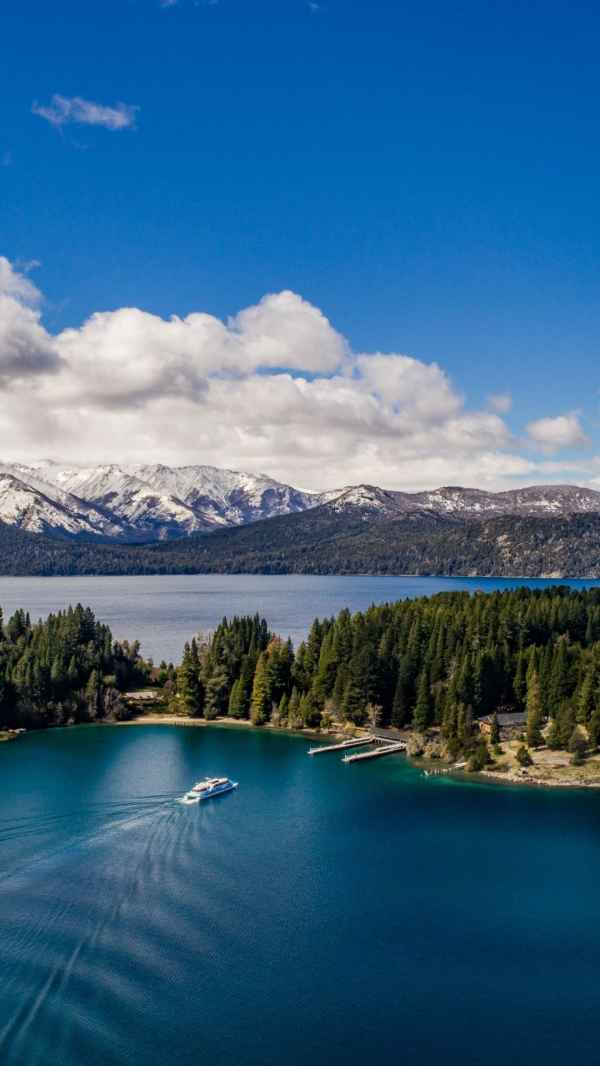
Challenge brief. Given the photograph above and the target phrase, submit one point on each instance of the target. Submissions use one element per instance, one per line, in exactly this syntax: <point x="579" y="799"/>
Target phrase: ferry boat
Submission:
<point x="209" y="787"/>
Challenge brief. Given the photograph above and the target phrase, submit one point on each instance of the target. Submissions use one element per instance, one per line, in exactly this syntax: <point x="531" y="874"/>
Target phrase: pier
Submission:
<point x="354" y="742"/>
<point x="387" y="749"/>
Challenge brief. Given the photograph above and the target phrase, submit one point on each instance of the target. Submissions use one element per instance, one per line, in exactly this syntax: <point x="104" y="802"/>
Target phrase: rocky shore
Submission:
<point x="553" y="769"/>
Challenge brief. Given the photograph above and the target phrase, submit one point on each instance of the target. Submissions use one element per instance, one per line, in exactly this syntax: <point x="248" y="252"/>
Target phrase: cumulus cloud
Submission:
<point x="552" y="434"/>
<point x="500" y="402"/>
<point x="132" y="357"/>
<point x="275" y="388"/>
<point x="63" y="110"/>
<point x="26" y="349"/>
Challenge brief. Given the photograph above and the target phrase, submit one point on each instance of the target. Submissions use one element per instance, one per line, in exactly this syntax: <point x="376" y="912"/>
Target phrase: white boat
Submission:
<point x="209" y="787"/>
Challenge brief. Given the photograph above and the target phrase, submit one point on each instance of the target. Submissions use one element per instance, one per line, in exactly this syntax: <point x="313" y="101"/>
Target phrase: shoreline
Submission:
<point x="497" y="776"/>
<point x="434" y="767"/>
<point x="223" y="723"/>
<point x="555" y="577"/>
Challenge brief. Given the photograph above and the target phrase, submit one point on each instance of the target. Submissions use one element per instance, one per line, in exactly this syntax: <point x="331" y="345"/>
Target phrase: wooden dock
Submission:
<point x="355" y="742"/>
<point x="389" y="749"/>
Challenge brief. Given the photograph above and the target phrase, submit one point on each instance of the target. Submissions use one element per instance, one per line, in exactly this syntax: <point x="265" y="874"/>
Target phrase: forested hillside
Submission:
<point x="64" y="670"/>
<point x="323" y="542"/>
<point x="440" y="661"/>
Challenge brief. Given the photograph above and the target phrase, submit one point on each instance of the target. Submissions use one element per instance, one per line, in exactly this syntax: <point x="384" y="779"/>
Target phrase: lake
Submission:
<point x="322" y="914"/>
<point x="165" y="611"/>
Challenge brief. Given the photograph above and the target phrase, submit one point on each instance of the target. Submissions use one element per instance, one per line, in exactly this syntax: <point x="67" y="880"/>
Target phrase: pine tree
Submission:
<point x="553" y="736"/>
<point x="309" y="711"/>
<point x="294" y="717"/>
<point x="566" y="721"/>
<point x="189" y="686"/>
<point x="215" y="694"/>
<point x="495" y="730"/>
<point x="235" y="709"/>
<point x="353" y="702"/>
<point x="586" y="696"/>
<point x="280" y="657"/>
<point x="524" y="756"/>
<point x="594" y="724"/>
<point x="283" y="709"/>
<point x="325" y="675"/>
<point x="402" y="702"/>
<point x="534" y="711"/>
<point x="464" y="725"/>
<point x="260" y="704"/>
<point x="423" y="713"/>
<point x="577" y="745"/>
<point x="519" y="681"/>
<point x="479" y="757"/>
<point x="560" y="688"/>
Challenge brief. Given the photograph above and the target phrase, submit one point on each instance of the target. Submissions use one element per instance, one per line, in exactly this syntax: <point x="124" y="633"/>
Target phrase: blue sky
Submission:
<point x="425" y="175"/>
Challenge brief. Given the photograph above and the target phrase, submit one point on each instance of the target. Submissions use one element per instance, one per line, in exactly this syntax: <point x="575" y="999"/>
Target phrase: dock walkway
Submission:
<point x="354" y="742"/>
<point x="389" y="749"/>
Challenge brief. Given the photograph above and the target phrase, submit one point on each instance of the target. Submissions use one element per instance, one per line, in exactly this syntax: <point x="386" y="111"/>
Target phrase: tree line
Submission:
<point x="444" y="661"/>
<point x="63" y="670"/>
<point x="441" y="661"/>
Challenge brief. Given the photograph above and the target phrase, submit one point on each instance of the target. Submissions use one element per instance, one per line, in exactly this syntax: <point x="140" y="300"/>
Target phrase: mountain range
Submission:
<point x="57" y="518"/>
<point x="138" y="503"/>
<point x="153" y="502"/>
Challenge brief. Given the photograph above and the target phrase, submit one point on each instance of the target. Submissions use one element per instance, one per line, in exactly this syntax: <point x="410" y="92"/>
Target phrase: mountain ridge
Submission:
<point x="144" y="503"/>
<point x="139" y="502"/>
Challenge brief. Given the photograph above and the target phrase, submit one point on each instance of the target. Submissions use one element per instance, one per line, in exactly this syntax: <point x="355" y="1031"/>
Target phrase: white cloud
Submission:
<point x="552" y="434"/>
<point x="26" y="350"/>
<point x="63" y="110"/>
<point x="500" y="402"/>
<point x="275" y="388"/>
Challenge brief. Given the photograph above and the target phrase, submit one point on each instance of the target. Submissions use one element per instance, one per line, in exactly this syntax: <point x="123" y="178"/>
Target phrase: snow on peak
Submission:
<point x="154" y="501"/>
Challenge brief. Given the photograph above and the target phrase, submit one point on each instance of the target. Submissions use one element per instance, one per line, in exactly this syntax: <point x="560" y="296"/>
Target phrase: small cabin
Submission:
<point x="510" y="724"/>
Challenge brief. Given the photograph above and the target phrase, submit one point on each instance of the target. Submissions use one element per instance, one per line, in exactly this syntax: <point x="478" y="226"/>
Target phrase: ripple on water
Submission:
<point x="301" y="913"/>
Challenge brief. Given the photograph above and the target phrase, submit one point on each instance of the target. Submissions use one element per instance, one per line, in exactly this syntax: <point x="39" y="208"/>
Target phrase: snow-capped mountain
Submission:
<point x="42" y="508"/>
<point x="147" y="502"/>
<point x="139" y="502"/>
<point x="226" y="497"/>
<point x="462" y="503"/>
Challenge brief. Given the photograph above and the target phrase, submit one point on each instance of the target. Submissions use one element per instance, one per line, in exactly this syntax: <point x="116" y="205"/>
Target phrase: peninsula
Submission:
<point x="503" y="683"/>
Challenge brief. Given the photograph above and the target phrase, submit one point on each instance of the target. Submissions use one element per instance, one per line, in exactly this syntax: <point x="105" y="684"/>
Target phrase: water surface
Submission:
<point x="321" y="914"/>
<point x="165" y="611"/>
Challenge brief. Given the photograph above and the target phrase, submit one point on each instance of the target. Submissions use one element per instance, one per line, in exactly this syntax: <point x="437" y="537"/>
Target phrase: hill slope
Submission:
<point x="322" y="542"/>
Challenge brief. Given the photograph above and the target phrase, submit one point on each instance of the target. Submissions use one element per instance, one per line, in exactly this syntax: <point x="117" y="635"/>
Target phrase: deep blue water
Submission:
<point x="165" y="611"/>
<point x="321" y="914"/>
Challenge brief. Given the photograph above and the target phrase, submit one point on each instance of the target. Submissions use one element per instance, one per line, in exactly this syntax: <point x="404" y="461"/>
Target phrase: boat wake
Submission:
<point x="58" y="928"/>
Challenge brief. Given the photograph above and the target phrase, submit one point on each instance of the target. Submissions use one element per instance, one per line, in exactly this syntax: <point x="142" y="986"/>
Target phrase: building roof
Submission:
<point x="513" y="718"/>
